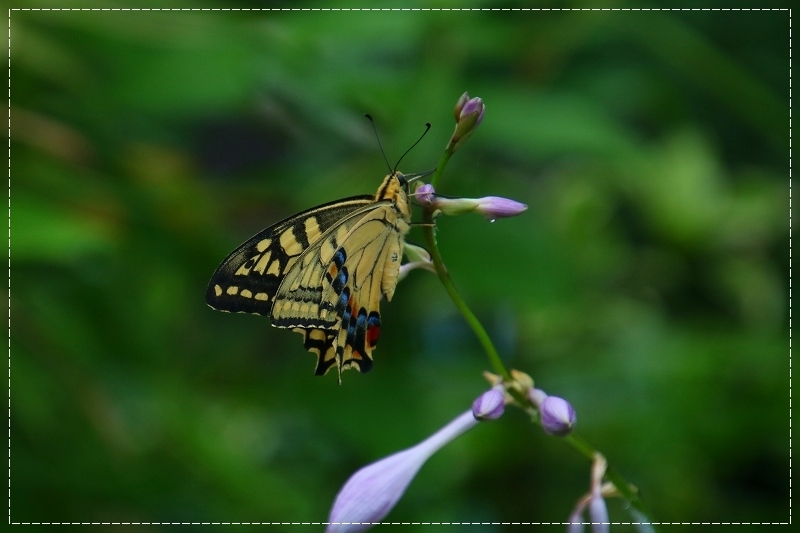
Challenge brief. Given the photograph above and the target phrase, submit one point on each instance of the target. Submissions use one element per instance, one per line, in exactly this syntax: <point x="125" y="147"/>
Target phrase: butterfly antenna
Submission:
<point x="378" y="138"/>
<point x="427" y="128"/>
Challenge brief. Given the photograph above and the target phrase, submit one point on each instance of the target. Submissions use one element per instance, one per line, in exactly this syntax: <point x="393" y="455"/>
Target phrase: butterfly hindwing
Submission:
<point x="248" y="279"/>
<point x="320" y="343"/>
<point x="338" y="283"/>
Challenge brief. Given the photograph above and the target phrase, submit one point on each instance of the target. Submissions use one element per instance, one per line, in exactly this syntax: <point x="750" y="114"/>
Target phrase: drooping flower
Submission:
<point x="594" y="500"/>
<point x="368" y="496"/>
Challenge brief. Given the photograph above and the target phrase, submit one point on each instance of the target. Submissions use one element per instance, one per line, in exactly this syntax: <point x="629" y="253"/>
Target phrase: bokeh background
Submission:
<point x="647" y="282"/>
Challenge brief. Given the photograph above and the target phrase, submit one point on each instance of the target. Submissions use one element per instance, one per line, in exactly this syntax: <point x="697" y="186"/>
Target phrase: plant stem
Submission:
<point x="628" y="491"/>
<point x="461" y="305"/>
<point x="440" y="166"/>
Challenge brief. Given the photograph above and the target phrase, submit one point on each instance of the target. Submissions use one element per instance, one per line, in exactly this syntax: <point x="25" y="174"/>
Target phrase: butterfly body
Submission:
<point x="323" y="273"/>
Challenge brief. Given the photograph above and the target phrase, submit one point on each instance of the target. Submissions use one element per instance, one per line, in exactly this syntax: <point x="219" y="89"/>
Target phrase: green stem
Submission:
<point x="440" y="167"/>
<point x="628" y="491"/>
<point x="461" y="305"/>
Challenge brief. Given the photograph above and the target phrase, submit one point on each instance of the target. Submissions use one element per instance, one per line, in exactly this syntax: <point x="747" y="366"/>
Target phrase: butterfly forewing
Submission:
<point x="248" y="279"/>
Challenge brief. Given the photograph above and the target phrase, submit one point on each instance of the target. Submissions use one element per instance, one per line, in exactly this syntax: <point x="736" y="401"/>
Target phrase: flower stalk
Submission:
<point x="626" y="490"/>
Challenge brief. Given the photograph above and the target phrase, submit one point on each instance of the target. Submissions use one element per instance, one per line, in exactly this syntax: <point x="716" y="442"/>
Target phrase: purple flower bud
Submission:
<point x="493" y="207"/>
<point x="558" y="416"/>
<point x="468" y="113"/>
<point x="460" y="105"/>
<point x="426" y="194"/>
<point x="490" y="405"/>
<point x="368" y="496"/>
<point x="473" y="106"/>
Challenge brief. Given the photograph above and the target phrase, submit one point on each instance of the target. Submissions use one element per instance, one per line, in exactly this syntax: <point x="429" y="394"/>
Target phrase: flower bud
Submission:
<point x="490" y="405"/>
<point x="493" y="207"/>
<point x="473" y="107"/>
<point x="460" y="105"/>
<point x="557" y="415"/>
<point x="468" y="113"/>
<point x="426" y="194"/>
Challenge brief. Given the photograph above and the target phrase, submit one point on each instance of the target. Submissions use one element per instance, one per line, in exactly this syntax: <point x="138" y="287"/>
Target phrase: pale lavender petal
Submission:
<point x="368" y="496"/>
<point x="575" y="520"/>
<point x="598" y="512"/>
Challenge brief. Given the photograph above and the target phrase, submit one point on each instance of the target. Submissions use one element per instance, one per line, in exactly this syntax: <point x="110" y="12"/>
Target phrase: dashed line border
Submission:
<point x="421" y="9"/>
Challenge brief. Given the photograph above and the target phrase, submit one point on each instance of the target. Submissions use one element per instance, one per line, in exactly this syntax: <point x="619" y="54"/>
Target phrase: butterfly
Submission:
<point x="323" y="273"/>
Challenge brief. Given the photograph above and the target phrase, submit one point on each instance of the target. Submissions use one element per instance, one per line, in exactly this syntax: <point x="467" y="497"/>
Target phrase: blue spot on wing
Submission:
<point x="339" y="258"/>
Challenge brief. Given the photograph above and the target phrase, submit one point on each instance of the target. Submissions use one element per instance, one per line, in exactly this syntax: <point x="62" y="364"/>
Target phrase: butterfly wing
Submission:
<point x="333" y="292"/>
<point x="323" y="273"/>
<point x="248" y="279"/>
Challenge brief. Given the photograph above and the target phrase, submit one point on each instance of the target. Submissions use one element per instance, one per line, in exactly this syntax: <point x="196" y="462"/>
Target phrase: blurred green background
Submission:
<point x="647" y="282"/>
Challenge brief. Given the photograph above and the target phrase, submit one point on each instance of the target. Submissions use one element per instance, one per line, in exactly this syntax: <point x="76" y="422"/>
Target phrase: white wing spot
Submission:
<point x="217" y="290"/>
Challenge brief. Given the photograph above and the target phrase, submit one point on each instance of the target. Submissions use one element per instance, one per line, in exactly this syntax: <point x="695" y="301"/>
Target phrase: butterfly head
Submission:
<point x="394" y="185"/>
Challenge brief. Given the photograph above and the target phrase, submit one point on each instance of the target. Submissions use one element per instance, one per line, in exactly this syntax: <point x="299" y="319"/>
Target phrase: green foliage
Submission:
<point x="647" y="283"/>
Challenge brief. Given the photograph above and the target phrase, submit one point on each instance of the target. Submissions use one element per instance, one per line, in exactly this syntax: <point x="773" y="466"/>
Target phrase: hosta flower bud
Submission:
<point x="460" y="105"/>
<point x="468" y="113"/>
<point x="426" y="194"/>
<point x="557" y="415"/>
<point x="493" y="207"/>
<point x="490" y="405"/>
